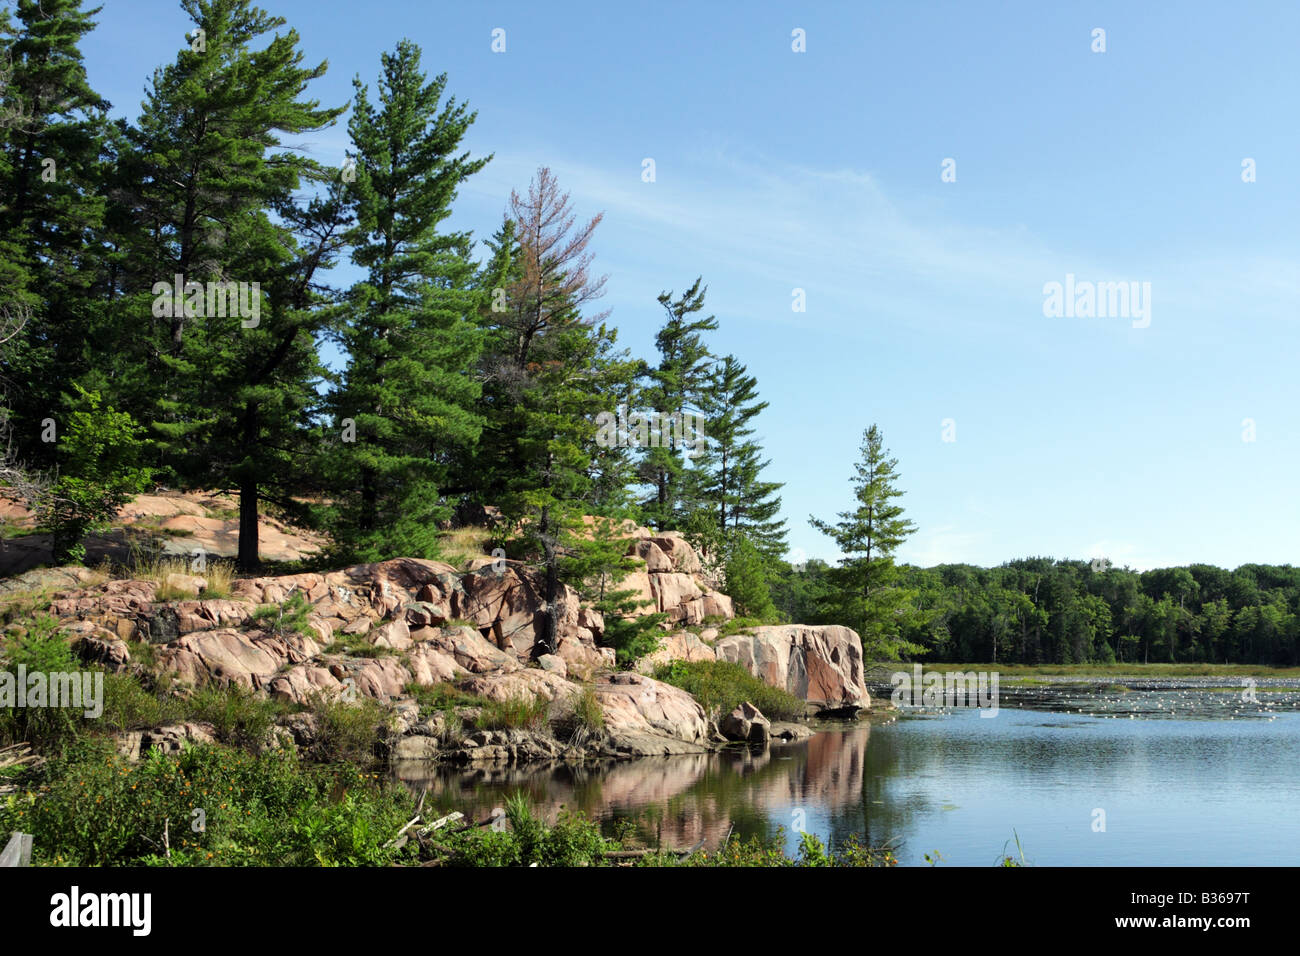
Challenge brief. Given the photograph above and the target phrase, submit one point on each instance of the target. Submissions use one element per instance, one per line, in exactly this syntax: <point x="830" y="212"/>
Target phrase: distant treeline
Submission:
<point x="1045" y="611"/>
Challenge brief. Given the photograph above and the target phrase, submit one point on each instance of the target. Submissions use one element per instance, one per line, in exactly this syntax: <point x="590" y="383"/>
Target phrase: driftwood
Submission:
<point x="18" y="851"/>
<point x="401" y="838"/>
<point x="18" y="754"/>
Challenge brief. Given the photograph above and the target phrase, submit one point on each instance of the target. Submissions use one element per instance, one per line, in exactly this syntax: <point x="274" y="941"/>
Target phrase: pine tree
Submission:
<point x="53" y="141"/>
<point x="675" y="388"/>
<point x="731" y="486"/>
<point x="225" y="393"/>
<point x="746" y="580"/>
<point x="866" y="594"/>
<point x="550" y="372"/>
<point x="412" y="338"/>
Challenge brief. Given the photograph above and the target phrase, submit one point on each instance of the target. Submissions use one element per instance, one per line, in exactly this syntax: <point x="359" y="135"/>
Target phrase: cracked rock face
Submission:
<point x="820" y="663"/>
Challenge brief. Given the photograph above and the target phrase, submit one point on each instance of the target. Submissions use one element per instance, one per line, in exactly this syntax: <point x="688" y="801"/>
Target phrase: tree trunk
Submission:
<point x="248" y="560"/>
<point x="549" y="639"/>
<point x="550" y="631"/>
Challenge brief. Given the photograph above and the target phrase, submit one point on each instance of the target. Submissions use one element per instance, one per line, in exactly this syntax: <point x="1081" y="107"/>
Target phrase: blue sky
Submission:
<point x="776" y="170"/>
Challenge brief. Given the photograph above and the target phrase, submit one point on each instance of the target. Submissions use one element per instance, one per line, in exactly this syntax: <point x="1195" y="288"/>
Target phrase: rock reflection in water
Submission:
<point x="675" y="801"/>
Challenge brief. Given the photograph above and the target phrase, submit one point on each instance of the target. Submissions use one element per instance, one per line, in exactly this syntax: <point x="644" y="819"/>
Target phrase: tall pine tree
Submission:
<point x="412" y="338"/>
<point x="675" y="387"/>
<point x="53" y="152"/>
<point x="866" y="594"/>
<point x="731" y="485"/>
<point x="215" y="203"/>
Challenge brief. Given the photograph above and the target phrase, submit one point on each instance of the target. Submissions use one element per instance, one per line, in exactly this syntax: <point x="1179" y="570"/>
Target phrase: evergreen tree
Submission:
<point x="676" y="387"/>
<point x="53" y="142"/>
<point x="215" y="204"/>
<point x="746" y="581"/>
<point x="867" y="595"/>
<point x="731" y="468"/>
<point x="550" y="373"/>
<point x="412" y="338"/>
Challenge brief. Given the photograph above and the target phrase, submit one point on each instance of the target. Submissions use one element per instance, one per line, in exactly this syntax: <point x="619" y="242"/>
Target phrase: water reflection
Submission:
<point x="1172" y="791"/>
<point x="677" y="801"/>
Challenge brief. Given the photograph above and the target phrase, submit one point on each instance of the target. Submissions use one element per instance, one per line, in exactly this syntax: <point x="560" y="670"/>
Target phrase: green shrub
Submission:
<point x="348" y="730"/>
<point x="97" y="456"/>
<point x="93" y="808"/>
<point x="736" y="625"/>
<point x="770" y="852"/>
<point x="518" y="713"/>
<point x="587" y="710"/>
<point x="39" y="648"/>
<point x="572" y="841"/>
<point x="129" y="705"/>
<point x="583" y="717"/>
<point x="288" y="617"/>
<point x="721" y="686"/>
<point x="357" y="645"/>
<point x="239" y="716"/>
<point x="441" y="696"/>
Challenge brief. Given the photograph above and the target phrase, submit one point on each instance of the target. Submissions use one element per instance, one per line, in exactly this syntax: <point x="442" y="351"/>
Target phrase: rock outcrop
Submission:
<point x="677" y="646"/>
<point x="373" y="630"/>
<point x="820" y="663"/>
<point x="672" y="581"/>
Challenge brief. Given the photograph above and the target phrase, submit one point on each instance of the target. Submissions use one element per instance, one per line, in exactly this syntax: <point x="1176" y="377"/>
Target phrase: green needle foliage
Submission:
<point x="867" y="595"/>
<point x="731" y="469"/>
<point x="411" y="334"/>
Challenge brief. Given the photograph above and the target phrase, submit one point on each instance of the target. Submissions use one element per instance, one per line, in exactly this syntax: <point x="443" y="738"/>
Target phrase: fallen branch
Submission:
<point x="442" y="822"/>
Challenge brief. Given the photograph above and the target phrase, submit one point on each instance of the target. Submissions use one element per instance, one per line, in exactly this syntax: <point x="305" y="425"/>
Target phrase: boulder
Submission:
<point x="820" y="663"/>
<point x="638" y="582"/>
<point x="678" y="551"/>
<point x="471" y="650"/>
<point x="211" y="613"/>
<point x="509" y="603"/>
<point x="414" y="747"/>
<point x="746" y="723"/>
<point x="653" y="556"/>
<point x="677" y="646"/>
<point x="135" y="744"/>
<point x="785" y="730"/>
<point x="233" y="657"/>
<point x="430" y="664"/>
<point x="110" y="652"/>
<point x="582" y="658"/>
<point x="672" y="590"/>
<point x="649" y="714"/>
<point x="302" y="683"/>
<point x="380" y="677"/>
<point x="554" y="664"/>
<point x="394" y="635"/>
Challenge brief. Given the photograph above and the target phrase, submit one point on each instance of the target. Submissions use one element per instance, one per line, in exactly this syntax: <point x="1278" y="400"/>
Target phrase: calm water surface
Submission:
<point x="1185" y="774"/>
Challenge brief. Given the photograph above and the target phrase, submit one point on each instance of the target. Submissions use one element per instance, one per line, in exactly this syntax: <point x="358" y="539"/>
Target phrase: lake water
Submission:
<point x="1185" y="773"/>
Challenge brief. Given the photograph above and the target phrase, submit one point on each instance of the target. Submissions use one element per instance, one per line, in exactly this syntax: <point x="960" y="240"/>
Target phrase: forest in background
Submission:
<point x="166" y="309"/>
